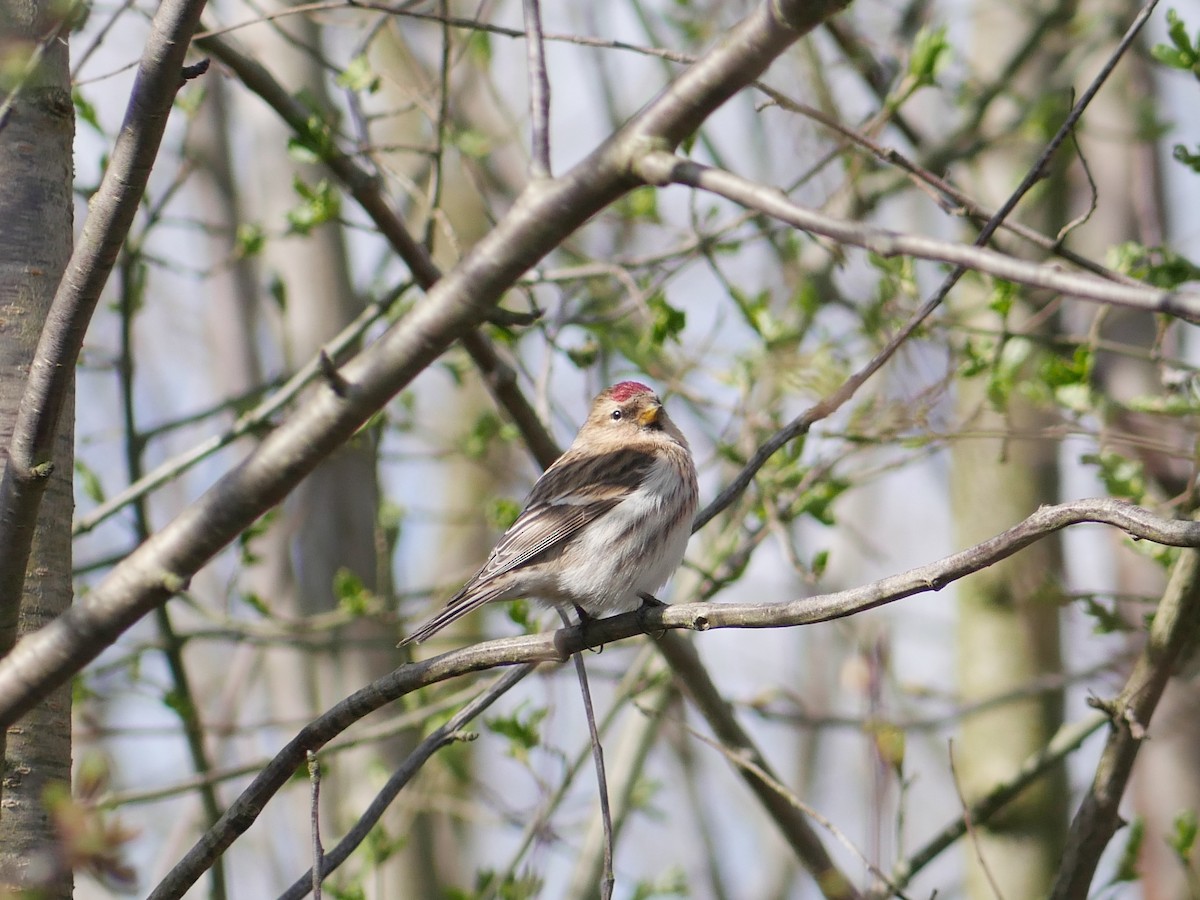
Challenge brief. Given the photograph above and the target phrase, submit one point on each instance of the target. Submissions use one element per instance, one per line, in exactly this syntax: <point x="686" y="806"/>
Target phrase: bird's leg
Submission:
<point x="649" y="602"/>
<point x="585" y="620"/>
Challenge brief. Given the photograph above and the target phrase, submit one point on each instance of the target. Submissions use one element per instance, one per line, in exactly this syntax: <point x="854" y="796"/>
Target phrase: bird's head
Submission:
<point x="630" y="411"/>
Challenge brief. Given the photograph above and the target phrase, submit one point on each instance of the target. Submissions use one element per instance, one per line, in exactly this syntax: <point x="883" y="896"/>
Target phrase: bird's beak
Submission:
<point x="650" y="415"/>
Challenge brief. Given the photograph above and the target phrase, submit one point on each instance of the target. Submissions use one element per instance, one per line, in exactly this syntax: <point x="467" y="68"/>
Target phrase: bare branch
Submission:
<point x="607" y="879"/>
<point x="539" y="92"/>
<point x="317" y="871"/>
<point x="194" y="863"/>
<point x="756" y="772"/>
<point x="664" y="168"/>
<point x="1068" y="739"/>
<point x="1176" y="625"/>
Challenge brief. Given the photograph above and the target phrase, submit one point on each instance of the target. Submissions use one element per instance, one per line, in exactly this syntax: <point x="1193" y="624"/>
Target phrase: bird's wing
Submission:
<point x="573" y="492"/>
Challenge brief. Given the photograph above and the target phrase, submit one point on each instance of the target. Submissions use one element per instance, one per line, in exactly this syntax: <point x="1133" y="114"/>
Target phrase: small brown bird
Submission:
<point x="605" y="524"/>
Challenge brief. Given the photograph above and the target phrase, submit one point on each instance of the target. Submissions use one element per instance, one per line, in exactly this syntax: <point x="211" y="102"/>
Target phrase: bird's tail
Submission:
<point x="458" y="605"/>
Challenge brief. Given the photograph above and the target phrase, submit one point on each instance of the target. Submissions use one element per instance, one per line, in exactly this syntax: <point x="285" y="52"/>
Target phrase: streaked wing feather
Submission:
<point x="572" y="493"/>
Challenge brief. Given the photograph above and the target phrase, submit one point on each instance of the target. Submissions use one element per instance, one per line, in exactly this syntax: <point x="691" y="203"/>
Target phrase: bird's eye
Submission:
<point x="616" y="415"/>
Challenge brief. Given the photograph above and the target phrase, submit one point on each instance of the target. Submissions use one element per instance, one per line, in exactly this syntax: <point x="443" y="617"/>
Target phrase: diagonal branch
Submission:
<point x="368" y="193"/>
<point x="665" y="168"/>
<point x="440" y="737"/>
<point x="1174" y="631"/>
<point x="693" y="679"/>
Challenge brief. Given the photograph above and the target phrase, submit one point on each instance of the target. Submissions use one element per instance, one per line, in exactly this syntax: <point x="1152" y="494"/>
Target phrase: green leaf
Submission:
<point x="85" y="111"/>
<point x="1004" y="293"/>
<point x="640" y="204"/>
<point x="584" y="356"/>
<point x="889" y="744"/>
<point x="358" y="76"/>
<point x="487" y="429"/>
<point x="471" y="143"/>
<point x="930" y="54"/>
<point x="1185" y="52"/>
<point x="668" y="322"/>
<point x="521" y="613"/>
<point x="89" y="481"/>
<point x="819" y="499"/>
<point x="277" y="288"/>
<point x="1123" y="478"/>
<point x="1007" y="371"/>
<point x="819" y="563"/>
<point x="257" y="603"/>
<point x="1105" y="620"/>
<point x="1127" y="866"/>
<point x="1183" y="835"/>
<point x="671" y="883"/>
<point x="246" y="540"/>
<point x="1185" y="156"/>
<point x="321" y="203"/>
<point x="249" y="241"/>
<point x="302" y="152"/>
<point x="1159" y="266"/>
<point x="522" y="729"/>
<point x="352" y="595"/>
<point x="479" y="48"/>
<point x="501" y="512"/>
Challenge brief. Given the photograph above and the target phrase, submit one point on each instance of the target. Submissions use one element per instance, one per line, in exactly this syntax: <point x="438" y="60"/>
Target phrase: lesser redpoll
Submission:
<point x="605" y="526"/>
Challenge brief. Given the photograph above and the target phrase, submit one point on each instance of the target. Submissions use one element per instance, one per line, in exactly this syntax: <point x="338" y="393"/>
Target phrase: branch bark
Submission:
<point x="666" y="168"/>
<point x="1176" y="626"/>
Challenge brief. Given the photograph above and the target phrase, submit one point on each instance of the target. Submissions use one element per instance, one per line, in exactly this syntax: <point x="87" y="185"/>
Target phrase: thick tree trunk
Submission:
<point x="1008" y="629"/>
<point x="35" y="243"/>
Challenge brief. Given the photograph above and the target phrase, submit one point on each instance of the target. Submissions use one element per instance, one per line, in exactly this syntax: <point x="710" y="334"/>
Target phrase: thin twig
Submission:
<point x="439" y="738"/>
<point x="1068" y="739"/>
<point x="660" y="167"/>
<point x="607" y="879"/>
<point x="969" y="825"/>
<point x="539" y="92"/>
<point x="1176" y="625"/>
<point x="318" y="854"/>
<point x="535" y="224"/>
<point x="248" y="422"/>
<point x="695" y="683"/>
<point x="739" y="761"/>
<point x="826" y="407"/>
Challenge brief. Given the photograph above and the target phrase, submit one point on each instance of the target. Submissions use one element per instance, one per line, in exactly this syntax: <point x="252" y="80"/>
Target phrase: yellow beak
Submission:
<point x="650" y="415"/>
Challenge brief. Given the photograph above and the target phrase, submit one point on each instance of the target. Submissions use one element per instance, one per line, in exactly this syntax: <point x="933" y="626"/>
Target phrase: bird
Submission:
<point x="604" y="527"/>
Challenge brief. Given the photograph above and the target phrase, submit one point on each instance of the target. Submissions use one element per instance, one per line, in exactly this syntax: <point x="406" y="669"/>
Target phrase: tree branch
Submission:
<point x="111" y="212"/>
<point x="1068" y="739"/>
<point x="1176" y="625"/>
<point x="666" y="168"/>
<point x="558" y="647"/>
<point x="176" y="883"/>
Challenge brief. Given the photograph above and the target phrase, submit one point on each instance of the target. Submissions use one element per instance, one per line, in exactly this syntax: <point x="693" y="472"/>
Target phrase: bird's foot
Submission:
<point x="585" y="620"/>
<point x="649" y="602"/>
